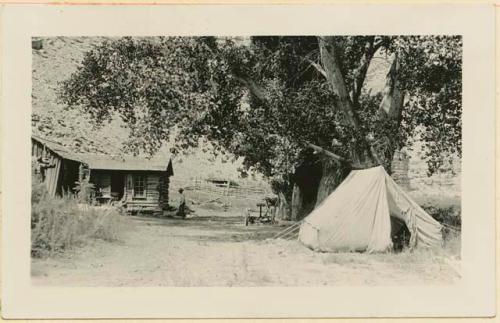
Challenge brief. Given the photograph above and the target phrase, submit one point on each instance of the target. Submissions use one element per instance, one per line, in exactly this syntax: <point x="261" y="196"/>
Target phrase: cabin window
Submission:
<point x="139" y="186"/>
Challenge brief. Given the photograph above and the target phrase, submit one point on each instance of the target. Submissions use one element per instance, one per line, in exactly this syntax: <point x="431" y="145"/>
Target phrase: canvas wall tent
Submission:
<point x="357" y="216"/>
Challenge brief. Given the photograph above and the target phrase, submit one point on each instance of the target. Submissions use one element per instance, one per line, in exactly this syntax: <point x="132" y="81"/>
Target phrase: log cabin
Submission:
<point x="138" y="183"/>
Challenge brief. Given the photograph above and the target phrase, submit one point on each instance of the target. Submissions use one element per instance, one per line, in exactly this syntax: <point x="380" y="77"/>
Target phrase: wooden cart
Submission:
<point x="266" y="216"/>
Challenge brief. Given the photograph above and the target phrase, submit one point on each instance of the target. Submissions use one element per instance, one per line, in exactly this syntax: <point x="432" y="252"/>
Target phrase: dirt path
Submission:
<point x="221" y="251"/>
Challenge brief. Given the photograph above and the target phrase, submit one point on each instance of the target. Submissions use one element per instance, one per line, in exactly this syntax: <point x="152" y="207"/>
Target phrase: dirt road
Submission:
<point x="221" y="251"/>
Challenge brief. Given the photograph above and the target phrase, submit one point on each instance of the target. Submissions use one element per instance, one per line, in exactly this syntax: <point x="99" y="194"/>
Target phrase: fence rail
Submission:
<point x="222" y="188"/>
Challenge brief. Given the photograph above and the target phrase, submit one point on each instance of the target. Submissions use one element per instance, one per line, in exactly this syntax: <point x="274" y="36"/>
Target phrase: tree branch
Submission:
<point x="391" y="108"/>
<point x="361" y="153"/>
<point x="336" y="80"/>
<point x="360" y="72"/>
<point x="317" y="67"/>
<point x="328" y="153"/>
<point x="392" y="101"/>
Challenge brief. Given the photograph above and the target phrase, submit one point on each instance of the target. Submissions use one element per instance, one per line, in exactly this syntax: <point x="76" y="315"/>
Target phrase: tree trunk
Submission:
<point x="297" y="204"/>
<point x="391" y="109"/>
<point x="333" y="175"/>
<point x="382" y="150"/>
<point x="283" y="211"/>
<point x="361" y="155"/>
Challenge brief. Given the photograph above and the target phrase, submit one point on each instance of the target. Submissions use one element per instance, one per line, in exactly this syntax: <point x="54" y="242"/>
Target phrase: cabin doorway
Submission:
<point x="117" y="185"/>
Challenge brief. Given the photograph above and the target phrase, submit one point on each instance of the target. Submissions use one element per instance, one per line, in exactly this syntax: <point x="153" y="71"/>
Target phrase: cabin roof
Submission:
<point x="57" y="148"/>
<point x="126" y="163"/>
<point x="106" y="162"/>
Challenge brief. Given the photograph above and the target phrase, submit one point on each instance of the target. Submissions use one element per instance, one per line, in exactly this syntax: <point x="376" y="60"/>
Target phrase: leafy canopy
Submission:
<point x="263" y="98"/>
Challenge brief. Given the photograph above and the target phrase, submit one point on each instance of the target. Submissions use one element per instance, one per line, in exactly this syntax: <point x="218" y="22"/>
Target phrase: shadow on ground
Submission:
<point x="216" y="228"/>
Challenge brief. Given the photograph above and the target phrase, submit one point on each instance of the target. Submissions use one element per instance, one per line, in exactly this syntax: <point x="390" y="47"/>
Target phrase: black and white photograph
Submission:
<point x="246" y="161"/>
<point x="221" y="158"/>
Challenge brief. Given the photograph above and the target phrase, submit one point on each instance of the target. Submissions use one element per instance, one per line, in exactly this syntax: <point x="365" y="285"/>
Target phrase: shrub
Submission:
<point x="449" y="216"/>
<point x="84" y="191"/>
<point x="60" y="223"/>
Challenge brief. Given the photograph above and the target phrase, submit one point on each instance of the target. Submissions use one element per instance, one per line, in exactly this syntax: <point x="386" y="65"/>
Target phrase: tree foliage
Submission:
<point x="265" y="99"/>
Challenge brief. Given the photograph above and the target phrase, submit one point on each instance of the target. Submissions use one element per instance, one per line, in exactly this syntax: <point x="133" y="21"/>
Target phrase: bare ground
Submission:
<point x="221" y="251"/>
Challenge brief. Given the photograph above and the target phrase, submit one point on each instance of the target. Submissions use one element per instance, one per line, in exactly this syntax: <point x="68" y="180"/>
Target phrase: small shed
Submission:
<point x="56" y="167"/>
<point x="140" y="184"/>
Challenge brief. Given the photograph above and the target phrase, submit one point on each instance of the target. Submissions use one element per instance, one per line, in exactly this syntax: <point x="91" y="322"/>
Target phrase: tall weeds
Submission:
<point x="61" y="223"/>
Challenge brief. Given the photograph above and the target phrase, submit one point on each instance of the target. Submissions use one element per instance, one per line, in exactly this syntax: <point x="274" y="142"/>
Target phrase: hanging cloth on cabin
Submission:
<point x="52" y="176"/>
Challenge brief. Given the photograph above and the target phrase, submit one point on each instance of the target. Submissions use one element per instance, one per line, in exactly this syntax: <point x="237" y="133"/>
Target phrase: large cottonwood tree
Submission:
<point x="268" y="98"/>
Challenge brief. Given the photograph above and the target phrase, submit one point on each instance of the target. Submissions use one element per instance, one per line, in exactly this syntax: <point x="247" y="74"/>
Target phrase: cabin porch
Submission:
<point x="137" y="191"/>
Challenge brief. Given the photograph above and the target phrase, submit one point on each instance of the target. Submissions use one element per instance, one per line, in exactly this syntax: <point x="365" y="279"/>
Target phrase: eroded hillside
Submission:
<point x="58" y="58"/>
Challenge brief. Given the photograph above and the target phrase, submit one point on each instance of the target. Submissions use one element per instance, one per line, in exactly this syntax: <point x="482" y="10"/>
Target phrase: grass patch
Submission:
<point x="59" y="224"/>
<point x="453" y="244"/>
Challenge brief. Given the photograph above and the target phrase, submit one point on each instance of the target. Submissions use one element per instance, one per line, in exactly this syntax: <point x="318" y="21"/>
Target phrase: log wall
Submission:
<point x="156" y="192"/>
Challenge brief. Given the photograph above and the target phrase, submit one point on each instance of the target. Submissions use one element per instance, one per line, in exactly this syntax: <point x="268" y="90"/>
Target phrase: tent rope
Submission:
<point x="290" y="232"/>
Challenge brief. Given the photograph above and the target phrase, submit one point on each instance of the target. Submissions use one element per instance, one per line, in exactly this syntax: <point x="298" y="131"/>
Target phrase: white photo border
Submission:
<point x="473" y="295"/>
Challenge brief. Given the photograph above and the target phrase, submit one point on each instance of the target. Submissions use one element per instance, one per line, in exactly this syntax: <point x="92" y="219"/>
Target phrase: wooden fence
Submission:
<point x="221" y="188"/>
